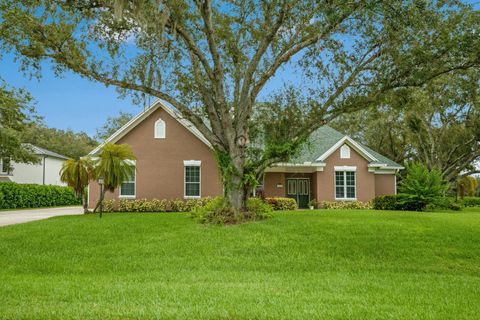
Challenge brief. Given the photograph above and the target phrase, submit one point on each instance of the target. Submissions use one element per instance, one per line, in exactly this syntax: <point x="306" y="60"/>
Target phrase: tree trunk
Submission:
<point x="236" y="197"/>
<point x="235" y="194"/>
<point x="85" y="204"/>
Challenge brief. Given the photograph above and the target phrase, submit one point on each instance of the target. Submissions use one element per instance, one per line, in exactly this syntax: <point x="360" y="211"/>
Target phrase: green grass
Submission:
<point x="298" y="265"/>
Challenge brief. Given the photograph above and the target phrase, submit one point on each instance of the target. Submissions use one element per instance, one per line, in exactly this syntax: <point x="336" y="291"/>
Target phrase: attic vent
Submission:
<point x="160" y="129"/>
<point x="345" y="152"/>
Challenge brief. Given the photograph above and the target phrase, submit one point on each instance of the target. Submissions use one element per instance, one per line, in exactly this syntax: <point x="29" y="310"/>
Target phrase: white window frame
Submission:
<point x="129" y="196"/>
<point x="345" y="152"/>
<point x="1" y="168"/>
<point x="192" y="163"/>
<point x="348" y="169"/>
<point x="160" y="134"/>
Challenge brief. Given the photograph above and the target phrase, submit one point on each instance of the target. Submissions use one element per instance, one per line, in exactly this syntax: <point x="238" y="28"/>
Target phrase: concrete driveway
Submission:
<point x="22" y="216"/>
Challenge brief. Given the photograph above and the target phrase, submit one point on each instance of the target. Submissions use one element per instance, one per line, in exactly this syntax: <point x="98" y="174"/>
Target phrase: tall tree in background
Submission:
<point x="65" y="142"/>
<point x="212" y="59"/>
<point x="112" y="124"/>
<point x="438" y="125"/>
<point x="382" y="128"/>
<point x="15" y="115"/>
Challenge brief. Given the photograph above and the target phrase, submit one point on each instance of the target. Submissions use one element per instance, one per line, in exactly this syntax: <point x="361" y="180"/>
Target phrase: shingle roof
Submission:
<point x="317" y="144"/>
<point x="381" y="159"/>
<point x="44" y="152"/>
<point x="323" y="139"/>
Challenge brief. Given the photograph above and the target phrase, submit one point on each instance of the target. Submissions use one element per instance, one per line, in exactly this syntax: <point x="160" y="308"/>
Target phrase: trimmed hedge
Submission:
<point x="405" y="202"/>
<point x="401" y="202"/>
<point x="154" y="205"/>
<point x="17" y="196"/>
<point x="281" y="203"/>
<point x="179" y="205"/>
<point x="448" y="203"/>
<point x="345" y="205"/>
<point x="471" y="201"/>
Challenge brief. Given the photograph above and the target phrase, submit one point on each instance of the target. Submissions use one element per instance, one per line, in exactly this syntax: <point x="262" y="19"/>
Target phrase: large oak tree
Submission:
<point x="212" y="59"/>
<point x="437" y="125"/>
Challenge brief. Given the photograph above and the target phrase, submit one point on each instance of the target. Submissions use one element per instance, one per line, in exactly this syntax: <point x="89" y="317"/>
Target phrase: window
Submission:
<point x="127" y="189"/>
<point x="345" y="152"/>
<point x="291" y="186"/>
<point x="4" y="166"/>
<point x="160" y="129"/>
<point x="192" y="179"/>
<point x="345" y="185"/>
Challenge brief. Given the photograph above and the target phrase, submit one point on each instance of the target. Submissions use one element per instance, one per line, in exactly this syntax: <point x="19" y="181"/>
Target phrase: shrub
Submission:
<point x="447" y="203"/>
<point x="177" y="205"/>
<point x="280" y="203"/>
<point x="423" y="186"/>
<point x="406" y="202"/>
<point x="217" y="211"/>
<point x="158" y="205"/>
<point x="259" y="208"/>
<point x="345" y="205"/>
<point x="387" y="202"/>
<point x="471" y="201"/>
<point x="109" y="205"/>
<point x="15" y="196"/>
<point x="154" y="205"/>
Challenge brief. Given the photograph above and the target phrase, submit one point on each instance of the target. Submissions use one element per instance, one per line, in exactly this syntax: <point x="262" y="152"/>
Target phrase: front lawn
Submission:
<point x="298" y="265"/>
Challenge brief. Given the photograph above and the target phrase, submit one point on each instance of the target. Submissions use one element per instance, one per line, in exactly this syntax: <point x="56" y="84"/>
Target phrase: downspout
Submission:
<point x="44" y="157"/>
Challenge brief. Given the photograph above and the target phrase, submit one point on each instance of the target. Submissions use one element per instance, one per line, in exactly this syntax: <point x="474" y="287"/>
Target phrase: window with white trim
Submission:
<point x="192" y="180"/>
<point x="345" y="152"/>
<point x="128" y="187"/>
<point x="345" y="186"/>
<point x="160" y="129"/>
<point x="4" y="166"/>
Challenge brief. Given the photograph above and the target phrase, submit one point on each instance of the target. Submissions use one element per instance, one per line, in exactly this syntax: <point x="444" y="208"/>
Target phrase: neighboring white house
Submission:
<point x="46" y="171"/>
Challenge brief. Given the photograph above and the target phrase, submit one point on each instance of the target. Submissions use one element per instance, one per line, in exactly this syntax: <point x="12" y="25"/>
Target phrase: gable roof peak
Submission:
<point x="143" y="115"/>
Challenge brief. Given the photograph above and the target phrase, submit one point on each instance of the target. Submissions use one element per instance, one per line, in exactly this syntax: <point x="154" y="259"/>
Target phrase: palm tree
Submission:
<point x="113" y="166"/>
<point x="77" y="174"/>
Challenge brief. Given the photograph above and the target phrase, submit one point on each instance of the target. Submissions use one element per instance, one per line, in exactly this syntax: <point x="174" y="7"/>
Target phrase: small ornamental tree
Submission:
<point x="77" y="174"/>
<point x="467" y="186"/>
<point x="114" y="165"/>
<point x="424" y="186"/>
<point x="212" y="60"/>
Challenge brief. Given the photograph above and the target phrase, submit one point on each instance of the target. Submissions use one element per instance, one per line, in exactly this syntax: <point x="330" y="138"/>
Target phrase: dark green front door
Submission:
<point x="299" y="189"/>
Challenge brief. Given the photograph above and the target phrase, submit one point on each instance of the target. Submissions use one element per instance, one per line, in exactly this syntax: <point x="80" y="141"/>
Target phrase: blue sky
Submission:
<point x="70" y="102"/>
<point x="74" y="103"/>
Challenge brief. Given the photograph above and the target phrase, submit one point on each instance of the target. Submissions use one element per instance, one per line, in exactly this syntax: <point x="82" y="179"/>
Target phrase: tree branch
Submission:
<point x="289" y="52"/>
<point x="262" y="48"/>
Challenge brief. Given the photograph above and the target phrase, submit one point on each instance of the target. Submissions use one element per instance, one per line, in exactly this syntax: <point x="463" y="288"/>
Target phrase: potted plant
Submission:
<point x="313" y="204"/>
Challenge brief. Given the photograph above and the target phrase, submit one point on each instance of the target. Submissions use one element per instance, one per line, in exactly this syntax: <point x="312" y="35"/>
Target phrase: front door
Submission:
<point x="299" y="189"/>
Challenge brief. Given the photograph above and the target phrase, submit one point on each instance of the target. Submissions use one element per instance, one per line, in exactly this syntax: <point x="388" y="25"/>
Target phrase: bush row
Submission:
<point x="405" y="202"/>
<point x="154" y="205"/>
<point x="471" y="201"/>
<point x="179" y="205"/>
<point x="401" y="202"/>
<point x="16" y="196"/>
<point x="345" y="205"/>
<point x="280" y="203"/>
